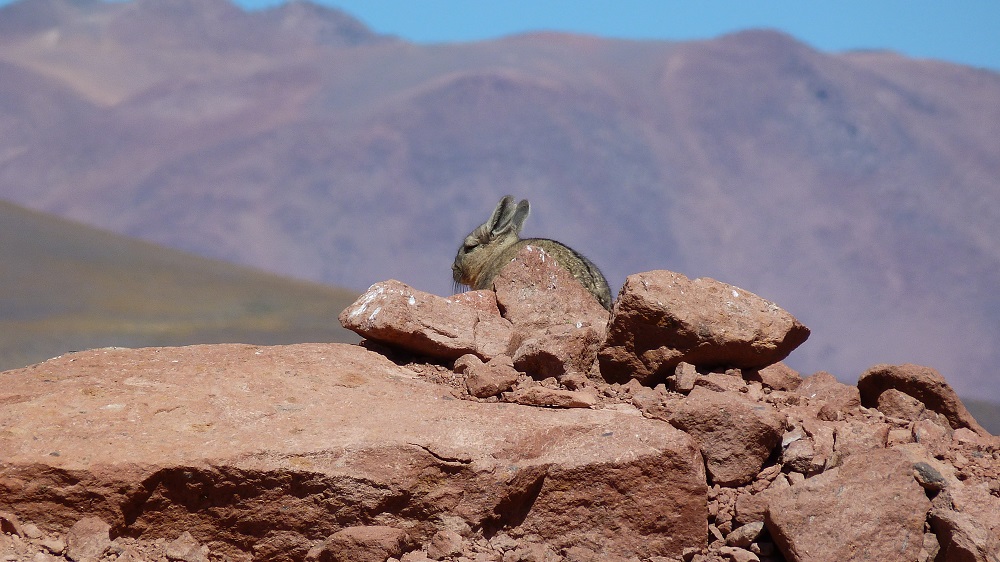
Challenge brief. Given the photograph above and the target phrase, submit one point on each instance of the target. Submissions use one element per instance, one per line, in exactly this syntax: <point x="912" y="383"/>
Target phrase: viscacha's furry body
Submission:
<point x="493" y="244"/>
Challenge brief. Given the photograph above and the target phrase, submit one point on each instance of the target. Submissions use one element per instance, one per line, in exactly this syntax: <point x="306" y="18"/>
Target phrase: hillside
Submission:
<point x="69" y="287"/>
<point x="858" y="189"/>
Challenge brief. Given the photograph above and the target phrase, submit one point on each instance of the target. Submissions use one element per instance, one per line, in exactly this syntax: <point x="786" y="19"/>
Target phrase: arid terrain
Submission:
<point x="68" y="287"/>
<point x="858" y="189"/>
<point x="521" y="424"/>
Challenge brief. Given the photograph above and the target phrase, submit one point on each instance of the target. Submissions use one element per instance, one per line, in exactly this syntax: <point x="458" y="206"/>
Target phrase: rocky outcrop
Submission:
<point x="925" y="386"/>
<point x="430" y="325"/>
<point x="550" y="325"/>
<point x="484" y="427"/>
<point x="842" y="500"/>
<point x="736" y="435"/>
<point x="663" y="318"/>
<point x="246" y="448"/>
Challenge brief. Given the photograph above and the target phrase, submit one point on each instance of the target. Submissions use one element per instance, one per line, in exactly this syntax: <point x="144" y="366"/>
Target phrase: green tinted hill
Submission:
<point x="66" y="287"/>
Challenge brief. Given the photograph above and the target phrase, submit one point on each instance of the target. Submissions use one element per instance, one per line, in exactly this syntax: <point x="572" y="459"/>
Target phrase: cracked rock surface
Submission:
<point x="244" y="447"/>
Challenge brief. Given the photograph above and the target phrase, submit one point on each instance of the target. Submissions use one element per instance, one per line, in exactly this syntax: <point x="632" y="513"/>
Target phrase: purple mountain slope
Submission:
<point x="859" y="190"/>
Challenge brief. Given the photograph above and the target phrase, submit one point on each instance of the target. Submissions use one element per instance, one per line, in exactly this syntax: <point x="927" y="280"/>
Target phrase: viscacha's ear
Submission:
<point x="500" y="220"/>
<point x="520" y="214"/>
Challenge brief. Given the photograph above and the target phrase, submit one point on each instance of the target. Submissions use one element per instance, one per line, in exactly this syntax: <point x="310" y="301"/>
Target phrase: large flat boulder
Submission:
<point x="281" y="451"/>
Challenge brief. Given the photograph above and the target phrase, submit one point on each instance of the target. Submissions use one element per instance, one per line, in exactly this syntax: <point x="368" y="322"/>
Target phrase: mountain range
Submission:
<point x="857" y="190"/>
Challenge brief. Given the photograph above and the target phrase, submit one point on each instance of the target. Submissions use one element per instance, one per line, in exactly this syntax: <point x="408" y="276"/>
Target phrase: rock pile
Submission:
<point x="521" y="425"/>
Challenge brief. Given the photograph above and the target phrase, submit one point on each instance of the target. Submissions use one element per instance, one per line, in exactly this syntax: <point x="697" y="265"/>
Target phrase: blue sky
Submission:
<point x="963" y="31"/>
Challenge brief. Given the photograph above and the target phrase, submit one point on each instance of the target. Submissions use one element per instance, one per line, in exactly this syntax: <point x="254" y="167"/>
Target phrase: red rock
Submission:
<point x="88" y="539"/>
<point x="930" y="549"/>
<point x="869" y="508"/>
<point x="484" y="301"/>
<point x="55" y="545"/>
<point x="655" y="404"/>
<point x="858" y="437"/>
<point x="445" y="544"/>
<point x="226" y="440"/>
<point x="10" y="524"/>
<point x="186" y="549"/>
<point x="395" y="314"/>
<point x="935" y="436"/>
<point x="735" y="435"/>
<point x="899" y="436"/>
<point x="638" y="508"/>
<point x="751" y="508"/>
<point x="900" y="405"/>
<point x="800" y="457"/>
<point x="281" y="546"/>
<point x="662" y="318"/>
<point x="734" y="554"/>
<point x="363" y="544"/>
<point x="467" y="363"/>
<point x="575" y="381"/>
<point x="581" y="554"/>
<point x="962" y="538"/>
<point x="559" y="351"/>
<point x="533" y="553"/>
<point x="979" y="500"/>
<point x="487" y="379"/>
<point x="264" y="451"/>
<point x="558" y="325"/>
<point x="722" y="382"/>
<point x="777" y="376"/>
<point x="825" y="387"/>
<point x="684" y="378"/>
<point x="492" y="332"/>
<point x="413" y="556"/>
<point x="534" y="292"/>
<point x="745" y="534"/>
<point x="923" y="383"/>
<point x="553" y="398"/>
<point x="810" y="446"/>
<point x="970" y="526"/>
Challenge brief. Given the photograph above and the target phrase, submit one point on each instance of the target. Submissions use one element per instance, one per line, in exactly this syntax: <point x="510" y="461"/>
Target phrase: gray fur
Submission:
<point x="493" y="244"/>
